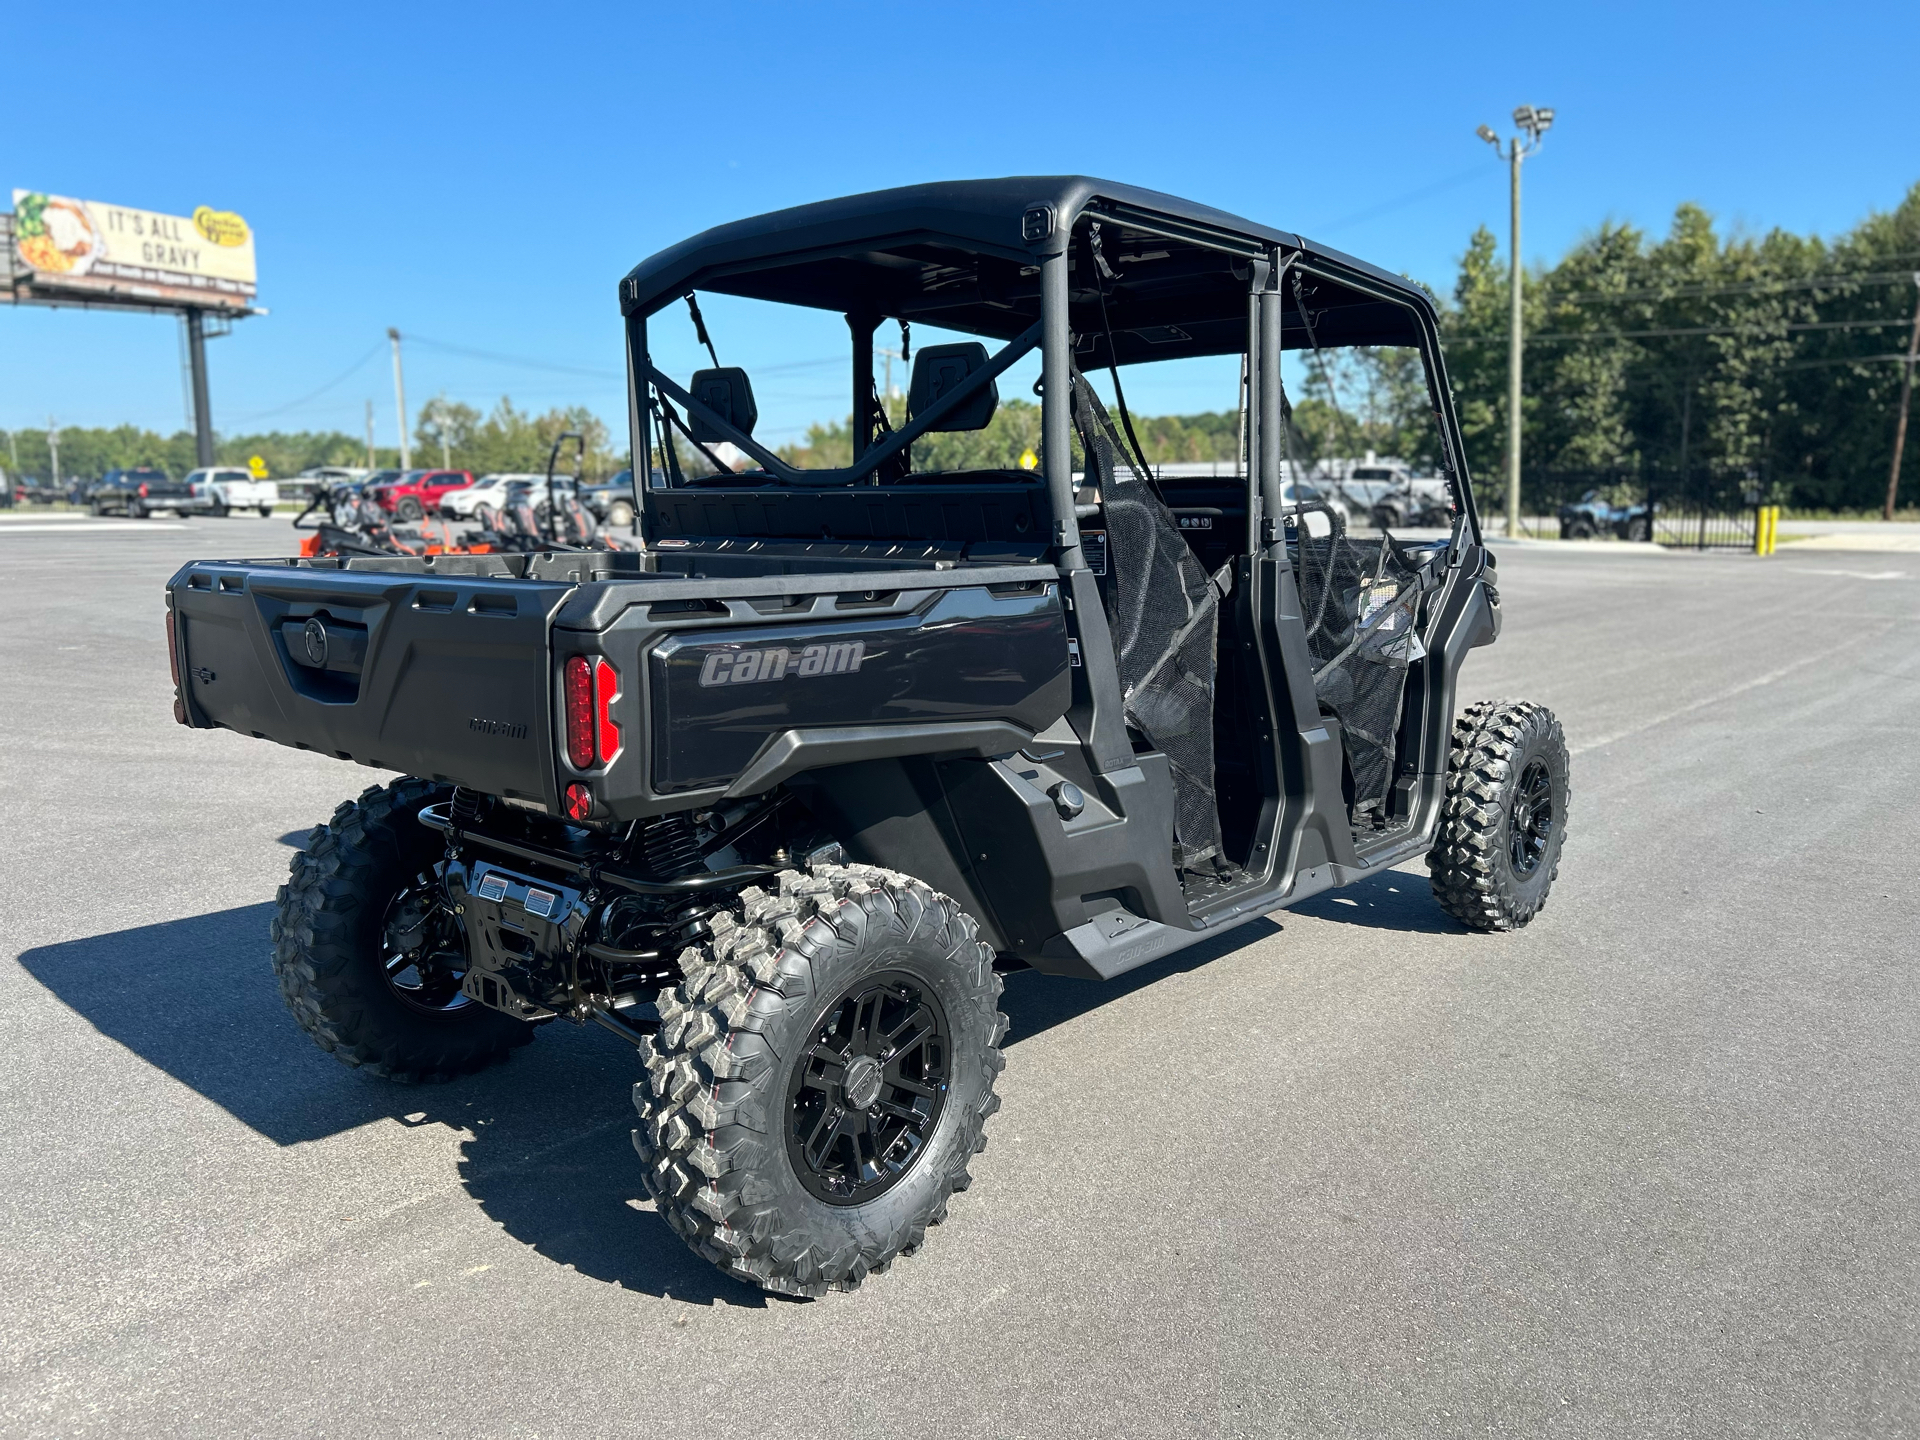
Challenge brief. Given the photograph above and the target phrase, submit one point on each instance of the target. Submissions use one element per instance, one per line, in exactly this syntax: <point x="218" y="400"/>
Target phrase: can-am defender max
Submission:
<point x="779" y="795"/>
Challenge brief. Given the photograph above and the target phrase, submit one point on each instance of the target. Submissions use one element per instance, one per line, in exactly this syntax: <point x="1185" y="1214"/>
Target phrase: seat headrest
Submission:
<point x="726" y="392"/>
<point x="940" y="370"/>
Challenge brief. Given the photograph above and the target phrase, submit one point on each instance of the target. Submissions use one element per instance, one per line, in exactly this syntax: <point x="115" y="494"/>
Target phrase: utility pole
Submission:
<point x="1906" y="394"/>
<point x="370" y="464"/>
<point x="1535" y="121"/>
<point x="53" y="452"/>
<point x="400" y="401"/>
<point x="437" y="409"/>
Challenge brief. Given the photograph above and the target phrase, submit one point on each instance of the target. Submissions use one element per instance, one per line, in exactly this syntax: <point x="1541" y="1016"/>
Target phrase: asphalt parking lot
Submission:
<point x="1645" y="1168"/>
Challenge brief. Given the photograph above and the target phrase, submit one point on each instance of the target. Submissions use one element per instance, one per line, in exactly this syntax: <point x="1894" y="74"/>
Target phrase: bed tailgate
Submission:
<point x="444" y="677"/>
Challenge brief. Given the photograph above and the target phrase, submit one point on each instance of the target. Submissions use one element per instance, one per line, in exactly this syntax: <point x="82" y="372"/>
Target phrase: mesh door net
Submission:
<point x="1164" y="612"/>
<point x="1359" y="602"/>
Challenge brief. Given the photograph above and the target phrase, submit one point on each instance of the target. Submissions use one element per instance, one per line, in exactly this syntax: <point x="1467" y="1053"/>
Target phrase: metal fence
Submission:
<point x="1700" y="510"/>
<point x="1682" y="526"/>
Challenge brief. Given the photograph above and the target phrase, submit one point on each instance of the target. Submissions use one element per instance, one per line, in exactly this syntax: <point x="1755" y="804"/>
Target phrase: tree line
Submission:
<point x="1698" y="360"/>
<point x="449" y="435"/>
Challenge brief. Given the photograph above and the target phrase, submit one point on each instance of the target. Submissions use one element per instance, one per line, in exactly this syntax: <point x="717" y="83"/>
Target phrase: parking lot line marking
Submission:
<point x="95" y="525"/>
<point x="1726" y="694"/>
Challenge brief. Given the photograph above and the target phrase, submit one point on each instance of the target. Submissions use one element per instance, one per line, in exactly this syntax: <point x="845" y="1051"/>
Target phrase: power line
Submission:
<point x="1378" y="210"/>
<point x="1760" y="330"/>
<point x="520" y="360"/>
<point x="1838" y="280"/>
<point x="339" y="379"/>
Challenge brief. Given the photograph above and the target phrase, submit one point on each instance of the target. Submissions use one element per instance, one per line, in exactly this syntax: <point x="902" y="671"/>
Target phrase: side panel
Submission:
<point x="719" y="695"/>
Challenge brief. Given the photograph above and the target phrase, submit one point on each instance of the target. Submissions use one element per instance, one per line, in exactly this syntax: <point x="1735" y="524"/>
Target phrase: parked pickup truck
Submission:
<point x="139" y="492"/>
<point x="779" y="796"/>
<point x="223" y="491"/>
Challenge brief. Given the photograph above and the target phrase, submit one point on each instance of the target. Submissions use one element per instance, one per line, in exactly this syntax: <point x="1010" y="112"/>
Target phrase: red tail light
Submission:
<point x="578" y="687"/>
<point x="606" y="689"/>
<point x="591" y="686"/>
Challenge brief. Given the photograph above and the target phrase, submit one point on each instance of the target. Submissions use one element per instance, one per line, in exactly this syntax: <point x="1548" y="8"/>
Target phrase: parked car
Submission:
<point x="489" y="490"/>
<point x="221" y="491"/>
<point x="139" y="492"/>
<point x="416" y="494"/>
<point x="612" y="500"/>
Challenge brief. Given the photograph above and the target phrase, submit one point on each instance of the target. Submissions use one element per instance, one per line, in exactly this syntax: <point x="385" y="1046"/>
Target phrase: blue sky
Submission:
<point x="481" y="176"/>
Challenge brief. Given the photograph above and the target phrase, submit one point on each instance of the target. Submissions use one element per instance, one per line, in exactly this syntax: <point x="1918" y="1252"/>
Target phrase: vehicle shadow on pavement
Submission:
<point x="1035" y="1003"/>
<point x="547" y="1156"/>
<point x="197" y="998"/>
<point x="1395" y="900"/>
<point x="545" y="1149"/>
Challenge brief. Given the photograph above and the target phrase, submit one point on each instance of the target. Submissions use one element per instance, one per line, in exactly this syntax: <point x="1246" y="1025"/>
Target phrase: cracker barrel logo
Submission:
<point x="222" y="227"/>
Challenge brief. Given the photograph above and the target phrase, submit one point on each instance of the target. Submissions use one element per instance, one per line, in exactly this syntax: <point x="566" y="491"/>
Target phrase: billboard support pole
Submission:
<point x="202" y="407"/>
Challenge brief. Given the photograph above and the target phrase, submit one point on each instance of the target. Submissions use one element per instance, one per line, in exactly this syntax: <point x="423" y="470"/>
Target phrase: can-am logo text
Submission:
<point x="748" y="667"/>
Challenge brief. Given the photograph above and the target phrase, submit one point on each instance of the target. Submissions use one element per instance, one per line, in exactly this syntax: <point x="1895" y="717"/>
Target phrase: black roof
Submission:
<point x="957" y="254"/>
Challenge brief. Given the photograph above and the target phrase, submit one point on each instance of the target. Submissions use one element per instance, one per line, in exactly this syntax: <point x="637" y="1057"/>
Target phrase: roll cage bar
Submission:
<point x="999" y="259"/>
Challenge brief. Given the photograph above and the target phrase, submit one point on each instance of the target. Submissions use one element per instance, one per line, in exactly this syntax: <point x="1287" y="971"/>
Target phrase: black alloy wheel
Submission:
<point x="368" y="957"/>
<point x="1530" y="818"/>
<point x="868" y="1093"/>
<point x="421" y="954"/>
<point x="1504" y="820"/>
<point x="821" y="1078"/>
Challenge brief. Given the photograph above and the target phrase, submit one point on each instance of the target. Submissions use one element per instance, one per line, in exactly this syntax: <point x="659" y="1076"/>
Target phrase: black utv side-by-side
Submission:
<point x="779" y="794"/>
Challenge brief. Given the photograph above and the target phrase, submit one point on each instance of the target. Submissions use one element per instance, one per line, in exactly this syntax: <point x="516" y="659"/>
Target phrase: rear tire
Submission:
<point x="333" y="947"/>
<point x="785" y="1166"/>
<point x="1504" y="820"/>
<point x="1639" y="531"/>
<point x="620" y="513"/>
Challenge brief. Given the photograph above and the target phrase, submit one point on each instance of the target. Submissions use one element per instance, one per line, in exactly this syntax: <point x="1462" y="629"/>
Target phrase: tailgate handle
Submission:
<point x="486" y="603"/>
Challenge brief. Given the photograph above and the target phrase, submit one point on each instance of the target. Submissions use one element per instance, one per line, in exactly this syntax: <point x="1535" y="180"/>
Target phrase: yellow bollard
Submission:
<point x="1773" y="527"/>
<point x="1765" y="528"/>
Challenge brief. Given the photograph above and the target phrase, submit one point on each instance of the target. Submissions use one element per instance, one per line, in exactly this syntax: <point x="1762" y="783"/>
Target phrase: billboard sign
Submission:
<point x="87" y="247"/>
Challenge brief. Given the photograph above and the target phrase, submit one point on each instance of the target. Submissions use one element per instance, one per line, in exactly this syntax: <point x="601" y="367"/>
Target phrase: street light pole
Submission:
<point x="1906" y="394"/>
<point x="400" y="401"/>
<point x="1535" y="121"/>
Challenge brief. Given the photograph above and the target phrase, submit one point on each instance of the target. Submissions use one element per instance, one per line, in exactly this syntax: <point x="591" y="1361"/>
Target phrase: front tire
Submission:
<point x="620" y="513"/>
<point x="1505" y="815"/>
<point x="409" y="510"/>
<point x="822" y="1078"/>
<point x="369" y="962"/>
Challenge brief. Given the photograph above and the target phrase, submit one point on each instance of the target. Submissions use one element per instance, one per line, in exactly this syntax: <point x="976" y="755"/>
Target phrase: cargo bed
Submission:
<point x="449" y="667"/>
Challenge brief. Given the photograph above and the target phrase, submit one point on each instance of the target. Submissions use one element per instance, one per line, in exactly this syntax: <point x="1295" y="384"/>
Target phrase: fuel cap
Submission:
<point x="1068" y="799"/>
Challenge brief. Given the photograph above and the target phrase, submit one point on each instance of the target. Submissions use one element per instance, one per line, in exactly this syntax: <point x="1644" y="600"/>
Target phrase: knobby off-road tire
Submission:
<point x="329" y="946"/>
<point x="1505" y="815"/>
<point x="724" y="1102"/>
